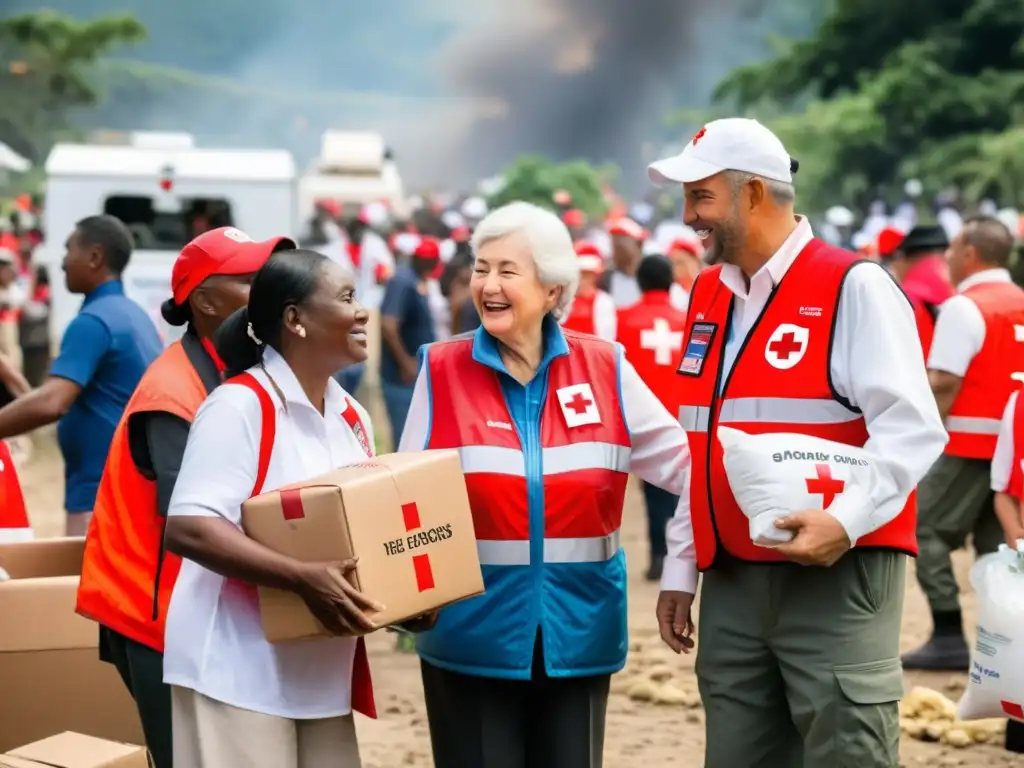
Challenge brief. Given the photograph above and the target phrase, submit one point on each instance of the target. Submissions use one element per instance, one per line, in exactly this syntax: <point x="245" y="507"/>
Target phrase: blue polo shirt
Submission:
<point x="403" y="301"/>
<point x="105" y="351"/>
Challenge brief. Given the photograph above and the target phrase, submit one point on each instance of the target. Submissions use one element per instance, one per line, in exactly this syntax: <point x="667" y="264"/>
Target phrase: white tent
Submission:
<point x="12" y="161"/>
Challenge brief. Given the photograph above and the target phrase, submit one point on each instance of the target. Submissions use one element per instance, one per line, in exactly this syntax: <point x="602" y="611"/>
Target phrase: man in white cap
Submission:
<point x="799" y="656"/>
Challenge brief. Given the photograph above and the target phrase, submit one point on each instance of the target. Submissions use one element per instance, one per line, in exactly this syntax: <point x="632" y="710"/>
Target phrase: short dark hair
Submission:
<point x="655" y="273"/>
<point x="990" y="237"/>
<point x="110" y="234"/>
<point x="288" y="278"/>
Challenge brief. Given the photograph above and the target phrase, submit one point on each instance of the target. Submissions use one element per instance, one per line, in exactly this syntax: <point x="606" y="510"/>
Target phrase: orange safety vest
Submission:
<point x="973" y="421"/>
<point x="127" y="576"/>
<point x="651" y="331"/>
<point x="780" y="382"/>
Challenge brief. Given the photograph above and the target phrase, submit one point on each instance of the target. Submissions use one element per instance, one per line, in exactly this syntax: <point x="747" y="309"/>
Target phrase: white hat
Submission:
<point x="474" y="208"/>
<point x="731" y="144"/>
<point x="453" y="219"/>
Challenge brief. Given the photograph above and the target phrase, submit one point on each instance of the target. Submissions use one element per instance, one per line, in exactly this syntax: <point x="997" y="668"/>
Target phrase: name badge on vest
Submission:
<point x="697" y="346"/>
<point x="578" y="405"/>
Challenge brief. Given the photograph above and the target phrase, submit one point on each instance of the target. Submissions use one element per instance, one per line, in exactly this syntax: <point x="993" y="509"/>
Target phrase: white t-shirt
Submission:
<point x="214" y="641"/>
<point x="440" y="310"/>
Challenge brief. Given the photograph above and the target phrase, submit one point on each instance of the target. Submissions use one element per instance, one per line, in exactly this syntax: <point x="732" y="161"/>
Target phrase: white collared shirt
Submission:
<point x="876" y="364"/>
<point x="214" y="641"/>
<point x="960" y="327"/>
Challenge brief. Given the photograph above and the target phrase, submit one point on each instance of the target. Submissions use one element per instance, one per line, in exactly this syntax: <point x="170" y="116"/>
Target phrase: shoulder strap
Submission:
<point x="268" y="426"/>
<point x="351" y="417"/>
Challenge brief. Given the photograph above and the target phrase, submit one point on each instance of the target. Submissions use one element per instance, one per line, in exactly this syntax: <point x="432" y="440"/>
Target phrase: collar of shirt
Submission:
<point x="277" y="368"/>
<point x="656" y="298"/>
<point x="769" y="275"/>
<point x="996" y="275"/>
<point x="485" y="346"/>
<point x="112" y="288"/>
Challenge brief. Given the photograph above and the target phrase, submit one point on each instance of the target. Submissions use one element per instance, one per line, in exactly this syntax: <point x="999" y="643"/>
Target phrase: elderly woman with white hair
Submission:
<point x="549" y="423"/>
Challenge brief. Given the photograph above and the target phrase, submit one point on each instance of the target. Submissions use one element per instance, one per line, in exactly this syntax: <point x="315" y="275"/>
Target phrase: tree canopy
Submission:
<point x="886" y="91"/>
<point x="536" y="180"/>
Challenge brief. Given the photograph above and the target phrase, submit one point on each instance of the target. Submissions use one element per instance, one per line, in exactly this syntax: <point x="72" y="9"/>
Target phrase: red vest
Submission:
<point x="581" y="316"/>
<point x="973" y="421"/>
<point x="652" y="333"/>
<point x="780" y="382"/>
<point x="127" y="575"/>
<point x="1015" y="487"/>
<point x="14" y="525"/>
<point x="585" y="449"/>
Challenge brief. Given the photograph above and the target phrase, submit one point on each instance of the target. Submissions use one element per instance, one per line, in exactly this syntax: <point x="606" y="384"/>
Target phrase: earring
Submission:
<point x="302" y="331"/>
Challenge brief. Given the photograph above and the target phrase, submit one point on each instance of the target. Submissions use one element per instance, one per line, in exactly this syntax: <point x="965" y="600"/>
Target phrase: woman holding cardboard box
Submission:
<point x="549" y="424"/>
<point x="237" y="700"/>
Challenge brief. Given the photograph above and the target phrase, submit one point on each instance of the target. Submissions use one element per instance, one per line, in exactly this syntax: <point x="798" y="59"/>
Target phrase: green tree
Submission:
<point x="47" y="59"/>
<point x="886" y="91"/>
<point x="535" y="179"/>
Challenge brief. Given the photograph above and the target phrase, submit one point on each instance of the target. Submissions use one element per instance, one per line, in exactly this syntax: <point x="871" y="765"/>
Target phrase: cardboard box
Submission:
<point x="405" y="516"/>
<point x="73" y="750"/>
<point x="51" y="678"/>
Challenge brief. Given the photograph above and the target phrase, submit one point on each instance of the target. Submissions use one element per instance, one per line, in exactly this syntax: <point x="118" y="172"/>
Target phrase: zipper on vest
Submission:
<point x="719" y="394"/>
<point x="161" y="552"/>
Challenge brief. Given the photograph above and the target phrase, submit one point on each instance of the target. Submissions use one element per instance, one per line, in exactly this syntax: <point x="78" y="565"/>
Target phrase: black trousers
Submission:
<point x="142" y="670"/>
<point x="661" y="505"/>
<point x="544" y="722"/>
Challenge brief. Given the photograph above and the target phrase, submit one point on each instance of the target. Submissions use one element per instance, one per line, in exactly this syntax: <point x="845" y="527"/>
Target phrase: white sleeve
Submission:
<point x="679" y="297"/>
<point x="417" y="423"/>
<point x="661" y="456"/>
<point x="1002" y="459"/>
<point x="218" y="471"/>
<point x="606" y="317"/>
<point x="878" y="366"/>
<point x="959" y="336"/>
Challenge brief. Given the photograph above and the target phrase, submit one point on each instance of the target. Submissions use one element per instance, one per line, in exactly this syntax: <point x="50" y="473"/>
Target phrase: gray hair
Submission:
<point x="549" y="242"/>
<point x="781" y="192"/>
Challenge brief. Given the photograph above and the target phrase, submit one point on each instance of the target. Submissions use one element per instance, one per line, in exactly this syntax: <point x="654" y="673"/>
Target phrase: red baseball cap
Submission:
<point x="221" y="251"/>
<point x="428" y="248"/>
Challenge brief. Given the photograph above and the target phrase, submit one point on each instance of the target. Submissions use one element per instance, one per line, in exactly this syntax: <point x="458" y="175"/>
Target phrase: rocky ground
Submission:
<point x="639" y="733"/>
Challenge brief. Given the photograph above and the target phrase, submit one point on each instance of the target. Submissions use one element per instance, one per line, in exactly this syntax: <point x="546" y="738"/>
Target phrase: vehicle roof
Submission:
<point x="223" y="164"/>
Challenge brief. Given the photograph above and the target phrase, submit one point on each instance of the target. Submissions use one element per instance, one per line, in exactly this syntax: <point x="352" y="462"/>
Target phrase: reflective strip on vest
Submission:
<point x="972" y="425"/>
<point x="489" y="459"/>
<point x="772" y="410"/>
<point x="597" y="549"/>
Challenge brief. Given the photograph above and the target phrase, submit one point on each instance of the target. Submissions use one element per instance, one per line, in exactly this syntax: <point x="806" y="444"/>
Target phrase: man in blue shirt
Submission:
<point x="104" y="352"/>
<point x="406" y="324"/>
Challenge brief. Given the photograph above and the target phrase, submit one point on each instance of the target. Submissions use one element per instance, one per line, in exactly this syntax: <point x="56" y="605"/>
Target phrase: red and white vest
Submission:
<point x="973" y="421"/>
<point x="581" y="315"/>
<point x="780" y="382"/>
<point x="584" y="457"/>
<point x="1015" y="486"/>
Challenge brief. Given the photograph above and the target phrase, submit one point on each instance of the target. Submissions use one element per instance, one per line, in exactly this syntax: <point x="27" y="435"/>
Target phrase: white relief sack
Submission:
<point x="995" y="687"/>
<point x="774" y="475"/>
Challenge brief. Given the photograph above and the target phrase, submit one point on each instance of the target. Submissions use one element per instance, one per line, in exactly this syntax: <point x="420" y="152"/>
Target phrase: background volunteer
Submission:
<point x="519" y="676"/>
<point x="798" y="663"/>
<point x="105" y="350"/>
<point x="651" y="333"/>
<point x="976" y="352"/>
<point x="592" y="311"/>
<point x="236" y="699"/>
<point x="127" y="575"/>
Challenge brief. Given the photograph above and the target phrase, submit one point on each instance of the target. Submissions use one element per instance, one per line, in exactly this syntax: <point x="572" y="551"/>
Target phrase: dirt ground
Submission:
<point x="639" y="734"/>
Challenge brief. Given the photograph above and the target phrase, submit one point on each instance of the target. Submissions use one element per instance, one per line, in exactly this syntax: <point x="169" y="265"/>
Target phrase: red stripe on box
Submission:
<point x="1013" y="709"/>
<point x="411" y="515"/>
<point x="424" y="573"/>
<point x="291" y="504"/>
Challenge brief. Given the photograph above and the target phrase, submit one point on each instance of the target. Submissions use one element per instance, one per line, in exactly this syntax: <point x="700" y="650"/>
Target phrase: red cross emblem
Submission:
<point x="579" y="403"/>
<point x="699" y="135"/>
<point x="828" y="486"/>
<point x="785" y="346"/>
<point x="420" y="563"/>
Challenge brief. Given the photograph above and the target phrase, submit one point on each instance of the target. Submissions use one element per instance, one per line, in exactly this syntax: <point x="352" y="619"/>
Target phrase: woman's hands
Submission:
<point x="330" y="597"/>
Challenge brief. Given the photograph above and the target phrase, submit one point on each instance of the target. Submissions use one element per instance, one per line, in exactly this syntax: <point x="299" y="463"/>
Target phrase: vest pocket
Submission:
<point x="867" y="715"/>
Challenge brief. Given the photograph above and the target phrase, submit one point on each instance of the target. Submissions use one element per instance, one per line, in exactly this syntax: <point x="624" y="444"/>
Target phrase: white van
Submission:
<point x="353" y="168"/>
<point x="165" y="189"/>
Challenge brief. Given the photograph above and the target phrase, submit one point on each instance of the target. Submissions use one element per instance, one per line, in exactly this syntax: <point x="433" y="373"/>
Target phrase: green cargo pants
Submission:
<point x="799" y="667"/>
<point x="954" y="500"/>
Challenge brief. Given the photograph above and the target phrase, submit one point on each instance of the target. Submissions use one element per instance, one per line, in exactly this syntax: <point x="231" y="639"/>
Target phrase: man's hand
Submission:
<point x="674" y="620"/>
<point x="819" y="539"/>
<point x="1011" y="518"/>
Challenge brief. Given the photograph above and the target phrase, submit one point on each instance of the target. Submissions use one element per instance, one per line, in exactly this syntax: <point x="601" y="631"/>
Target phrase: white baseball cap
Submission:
<point x="730" y="144"/>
